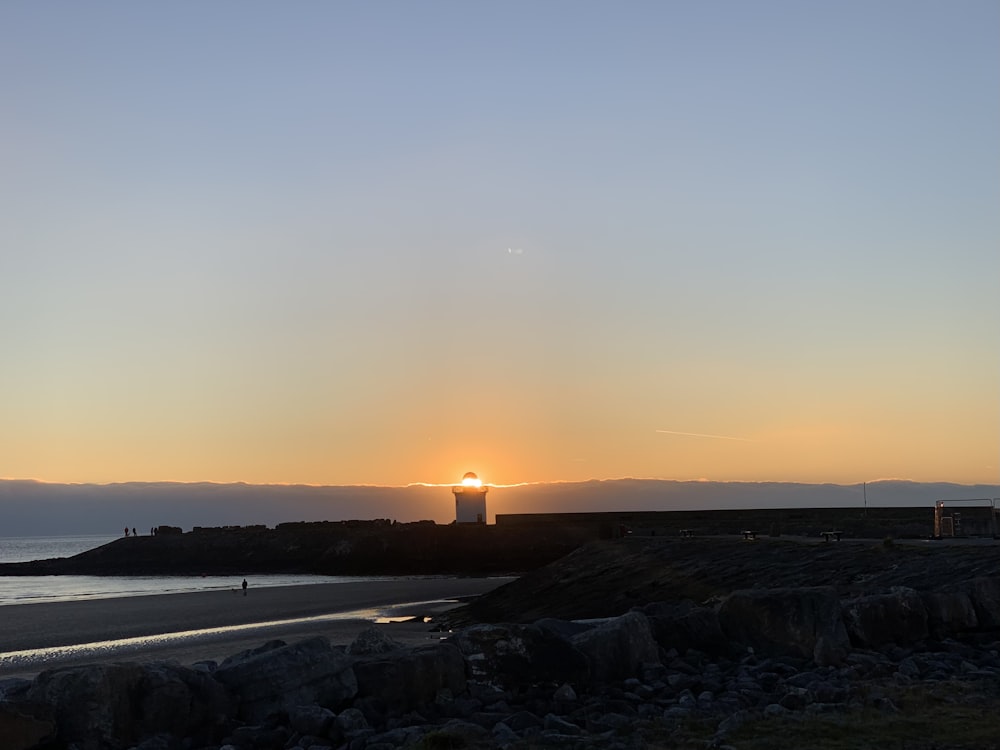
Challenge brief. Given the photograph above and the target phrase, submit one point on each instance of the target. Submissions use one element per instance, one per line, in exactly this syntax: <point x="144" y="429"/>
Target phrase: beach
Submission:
<point x="210" y="625"/>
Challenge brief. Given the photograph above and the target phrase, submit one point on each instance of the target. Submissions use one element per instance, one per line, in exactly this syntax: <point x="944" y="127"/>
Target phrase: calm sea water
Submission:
<point x="30" y="589"/>
<point x="26" y="548"/>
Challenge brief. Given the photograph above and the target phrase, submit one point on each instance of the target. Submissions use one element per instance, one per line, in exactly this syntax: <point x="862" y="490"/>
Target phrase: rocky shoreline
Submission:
<point x="765" y="666"/>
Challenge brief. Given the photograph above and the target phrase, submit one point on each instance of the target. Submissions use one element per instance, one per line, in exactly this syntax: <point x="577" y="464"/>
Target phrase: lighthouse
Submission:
<point x="470" y="500"/>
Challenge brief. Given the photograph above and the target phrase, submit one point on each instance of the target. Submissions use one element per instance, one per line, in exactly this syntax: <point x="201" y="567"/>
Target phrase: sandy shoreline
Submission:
<point x="173" y="626"/>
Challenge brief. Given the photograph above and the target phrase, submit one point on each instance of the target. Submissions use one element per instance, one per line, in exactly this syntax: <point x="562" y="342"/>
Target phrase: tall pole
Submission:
<point x="864" y="489"/>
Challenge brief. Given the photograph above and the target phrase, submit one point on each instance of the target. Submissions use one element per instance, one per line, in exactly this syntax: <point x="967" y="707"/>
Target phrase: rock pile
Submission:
<point x="621" y="682"/>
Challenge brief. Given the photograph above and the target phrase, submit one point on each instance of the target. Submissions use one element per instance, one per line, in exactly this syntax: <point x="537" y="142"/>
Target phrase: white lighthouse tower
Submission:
<point x="470" y="500"/>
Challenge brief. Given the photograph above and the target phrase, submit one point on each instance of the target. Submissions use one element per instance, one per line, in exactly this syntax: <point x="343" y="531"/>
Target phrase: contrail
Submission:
<point x="703" y="435"/>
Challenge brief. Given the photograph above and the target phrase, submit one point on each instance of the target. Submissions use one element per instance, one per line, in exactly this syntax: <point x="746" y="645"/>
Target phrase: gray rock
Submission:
<point x="411" y="677"/>
<point x="372" y="641"/>
<point x="565" y="693"/>
<point x="456" y="733"/>
<point x="394" y="737"/>
<point x="553" y="723"/>
<point x="278" y="679"/>
<point x="796" y="699"/>
<point x="949" y="612"/>
<point x="488" y="719"/>
<point x="22" y="728"/>
<point x="503" y="735"/>
<point x="314" y="720"/>
<point x="463" y="708"/>
<point x="896" y="617"/>
<point x="260" y="736"/>
<point x="614" y="721"/>
<point x="829" y="651"/>
<point x="785" y="621"/>
<point x="315" y="743"/>
<point x="122" y="704"/>
<point x="649" y="710"/>
<point x="618" y="648"/>
<point x="825" y="692"/>
<point x="676" y="713"/>
<point x="92" y="705"/>
<point x="684" y="626"/>
<point x="159" y="742"/>
<point x="827" y="708"/>
<point x="177" y="700"/>
<point x="13" y="687"/>
<point x="733" y="722"/>
<point x="509" y="655"/>
<point x="352" y="722"/>
<point x="984" y="593"/>
<point x="564" y="629"/>
<point x="909" y="667"/>
<point x="523" y="720"/>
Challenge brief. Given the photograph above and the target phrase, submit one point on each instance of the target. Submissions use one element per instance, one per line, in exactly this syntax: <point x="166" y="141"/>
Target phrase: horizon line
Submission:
<point x="499" y="485"/>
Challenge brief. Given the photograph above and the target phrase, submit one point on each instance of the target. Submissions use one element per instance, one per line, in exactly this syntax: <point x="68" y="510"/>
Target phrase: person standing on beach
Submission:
<point x="244" y="587"/>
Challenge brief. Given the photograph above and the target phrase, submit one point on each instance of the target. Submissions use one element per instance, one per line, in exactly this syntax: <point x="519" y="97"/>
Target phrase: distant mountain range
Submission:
<point x="29" y="508"/>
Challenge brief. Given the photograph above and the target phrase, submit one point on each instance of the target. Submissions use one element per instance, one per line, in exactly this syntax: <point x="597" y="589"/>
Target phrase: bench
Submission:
<point x="750" y="535"/>
<point x="827" y="534"/>
<point x="687" y="532"/>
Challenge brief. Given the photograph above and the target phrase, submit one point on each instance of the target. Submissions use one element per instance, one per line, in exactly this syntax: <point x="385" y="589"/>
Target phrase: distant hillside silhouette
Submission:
<point x="29" y="508"/>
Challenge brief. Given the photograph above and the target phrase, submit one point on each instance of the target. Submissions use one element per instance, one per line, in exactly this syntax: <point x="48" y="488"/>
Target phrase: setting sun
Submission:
<point x="471" y="480"/>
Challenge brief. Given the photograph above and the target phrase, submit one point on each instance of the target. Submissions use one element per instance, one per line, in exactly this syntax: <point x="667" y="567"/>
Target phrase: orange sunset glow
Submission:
<point x="650" y="261"/>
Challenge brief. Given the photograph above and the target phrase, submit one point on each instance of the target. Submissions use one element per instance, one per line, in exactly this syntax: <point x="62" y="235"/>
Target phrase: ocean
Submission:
<point x="32" y="589"/>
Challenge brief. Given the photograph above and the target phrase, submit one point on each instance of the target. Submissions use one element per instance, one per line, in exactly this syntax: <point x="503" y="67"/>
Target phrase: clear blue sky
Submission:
<point x="390" y="242"/>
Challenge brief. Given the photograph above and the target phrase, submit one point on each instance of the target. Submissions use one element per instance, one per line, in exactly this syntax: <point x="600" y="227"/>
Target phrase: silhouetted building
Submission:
<point x="470" y="500"/>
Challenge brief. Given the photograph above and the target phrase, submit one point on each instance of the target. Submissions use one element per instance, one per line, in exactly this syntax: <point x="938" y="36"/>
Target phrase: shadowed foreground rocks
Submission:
<point x="665" y="674"/>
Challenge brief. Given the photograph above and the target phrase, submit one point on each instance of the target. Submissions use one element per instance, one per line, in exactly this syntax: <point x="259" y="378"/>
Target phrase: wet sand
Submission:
<point x="214" y="624"/>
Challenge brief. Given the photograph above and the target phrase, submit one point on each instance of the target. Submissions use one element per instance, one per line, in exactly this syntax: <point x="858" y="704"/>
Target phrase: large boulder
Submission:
<point x="23" y="727"/>
<point x="804" y="622"/>
<point x="618" y="647"/>
<point x="92" y="704"/>
<point x="410" y="677"/>
<point x="118" y="704"/>
<point x="984" y="593"/>
<point x="685" y="625"/>
<point x="949" y="613"/>
<point x="879" y="619"/>
<point x="510" y="655"/>
<point x="179" y="700"/>
<point x="278" y="677"/>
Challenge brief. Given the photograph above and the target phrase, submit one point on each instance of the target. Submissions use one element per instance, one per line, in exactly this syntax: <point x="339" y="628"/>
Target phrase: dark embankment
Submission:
<point x="366" y="548"/>
<point x="856" y="523"/>
<point x="607" y="578"/>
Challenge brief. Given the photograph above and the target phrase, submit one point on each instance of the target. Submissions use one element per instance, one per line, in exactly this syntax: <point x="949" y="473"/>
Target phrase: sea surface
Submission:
<point x="31" y="589"/>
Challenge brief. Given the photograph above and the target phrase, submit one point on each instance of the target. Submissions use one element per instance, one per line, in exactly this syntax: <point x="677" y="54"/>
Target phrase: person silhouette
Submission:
<point x="244" y="587"/>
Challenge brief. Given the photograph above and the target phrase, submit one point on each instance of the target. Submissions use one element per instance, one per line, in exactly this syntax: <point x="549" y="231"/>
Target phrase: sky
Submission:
<point x="392" y="242"/>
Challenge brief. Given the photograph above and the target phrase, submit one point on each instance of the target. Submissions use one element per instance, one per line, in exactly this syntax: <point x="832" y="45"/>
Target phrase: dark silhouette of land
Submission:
<point x="516" y="544"/>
